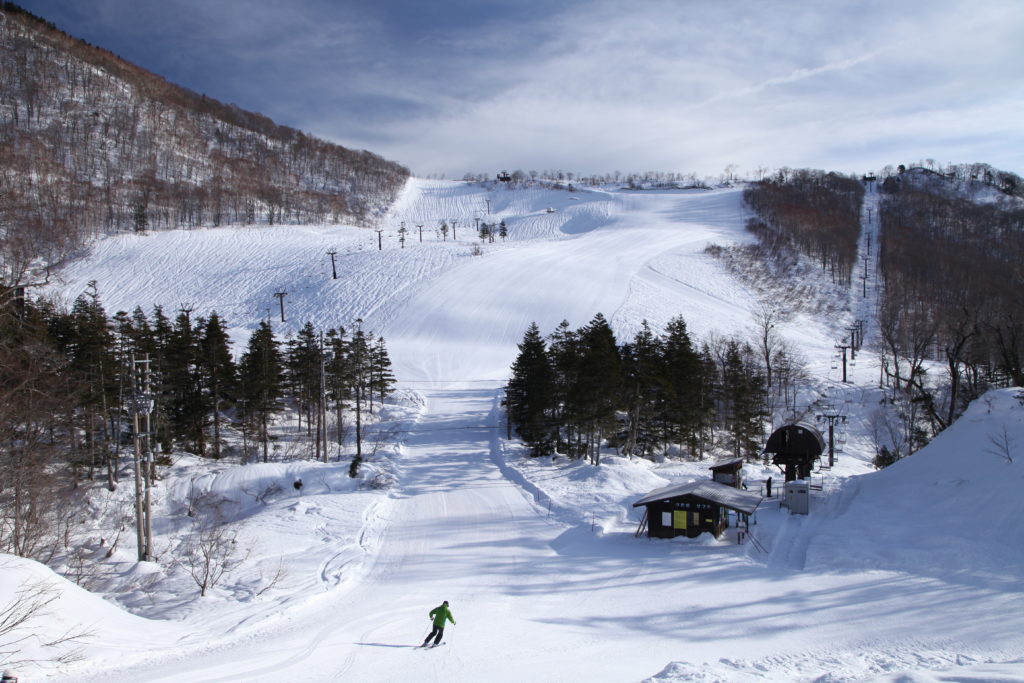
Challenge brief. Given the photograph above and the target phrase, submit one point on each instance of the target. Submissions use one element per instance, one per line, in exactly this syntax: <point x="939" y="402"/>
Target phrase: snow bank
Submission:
<point x="65" y="622"/>
<point x="953" y="509"/>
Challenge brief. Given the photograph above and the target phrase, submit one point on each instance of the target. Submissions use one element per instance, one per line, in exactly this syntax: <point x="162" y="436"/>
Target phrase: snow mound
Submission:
<point x="56" y="609"/>
<point x="921" y="514"/>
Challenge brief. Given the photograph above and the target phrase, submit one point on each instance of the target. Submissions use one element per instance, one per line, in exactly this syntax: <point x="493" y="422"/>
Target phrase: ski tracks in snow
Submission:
<point x="797" y="533"/>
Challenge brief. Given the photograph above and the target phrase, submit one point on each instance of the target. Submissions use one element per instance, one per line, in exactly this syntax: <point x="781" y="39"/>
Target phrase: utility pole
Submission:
<point x="380" y="243"/>
<point x="280" y="297"/>
<point x="359" y="397"/>
<point x="843" y="347"/>
<point x="320" y="396"/>
<point x="143" y="457"/>
<point x="334" y="269"/>
<point x="420" y="226"/>
<point x="832" y="417"/>
<point x="454" y="221"/>
<point x="488" y="206"/>
<point x="186" y="310"/>
<point x="245" y="431"/>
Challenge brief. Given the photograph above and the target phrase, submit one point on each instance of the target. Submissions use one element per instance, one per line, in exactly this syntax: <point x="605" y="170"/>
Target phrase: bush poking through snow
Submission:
<point x="210" y="549"/>
<point x="382" y="481"/>
<point x="18" y="627"/>
<point x="1002" y="444"/>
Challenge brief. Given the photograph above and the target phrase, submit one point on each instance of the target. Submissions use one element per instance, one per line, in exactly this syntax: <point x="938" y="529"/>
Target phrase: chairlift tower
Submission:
<point x="280" y="297"/>
<point x="842" y="348"/>
<point x="334" y="268"/>
<point x="832" y="417"/>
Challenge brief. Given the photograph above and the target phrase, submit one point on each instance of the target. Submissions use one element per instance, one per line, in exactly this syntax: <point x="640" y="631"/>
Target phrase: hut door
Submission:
<point x="679" y="519"/>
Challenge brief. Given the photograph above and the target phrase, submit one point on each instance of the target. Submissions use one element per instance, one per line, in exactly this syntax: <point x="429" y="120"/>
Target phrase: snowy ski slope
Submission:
<point x="538" y="559"/>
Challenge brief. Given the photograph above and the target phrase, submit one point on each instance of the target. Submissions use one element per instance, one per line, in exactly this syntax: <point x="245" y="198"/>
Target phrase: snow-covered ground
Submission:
<point x="914" y="573"/>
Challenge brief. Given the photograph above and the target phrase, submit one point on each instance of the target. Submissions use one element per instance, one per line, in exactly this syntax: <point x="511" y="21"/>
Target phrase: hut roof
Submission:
<point x="726" y="496"/>
<point x="731" y="462"/>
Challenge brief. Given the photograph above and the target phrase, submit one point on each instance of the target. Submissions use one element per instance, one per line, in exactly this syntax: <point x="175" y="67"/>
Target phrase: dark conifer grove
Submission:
<point x="69" y="389"/>
<point x="580" y="390"/>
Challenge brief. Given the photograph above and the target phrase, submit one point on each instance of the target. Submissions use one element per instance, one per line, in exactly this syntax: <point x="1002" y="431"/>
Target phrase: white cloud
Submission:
<point x="601" y="85"/>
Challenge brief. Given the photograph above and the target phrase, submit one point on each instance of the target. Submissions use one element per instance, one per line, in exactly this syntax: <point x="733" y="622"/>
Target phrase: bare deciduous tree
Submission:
<point x="209" y="551"/>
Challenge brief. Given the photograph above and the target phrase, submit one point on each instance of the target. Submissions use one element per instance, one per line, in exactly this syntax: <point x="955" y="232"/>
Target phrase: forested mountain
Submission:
<point x="949" y="254"/>
<point x="90" y="143"/>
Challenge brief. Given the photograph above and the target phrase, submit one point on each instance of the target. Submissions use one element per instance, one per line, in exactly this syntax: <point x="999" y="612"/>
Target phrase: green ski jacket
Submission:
<point x="439" y="614"/>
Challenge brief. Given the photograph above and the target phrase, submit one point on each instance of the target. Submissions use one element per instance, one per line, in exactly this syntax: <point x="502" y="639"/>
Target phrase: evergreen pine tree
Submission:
<point x="162" y="330"/>
<point x="187" y="406"/>
<point x="261" y="378"/>
<point x="339" y="378"/>
<point x="742" y="385"/>
<point x="681" y="413"/>
<point x="529" y="394"/>
<point x="596" y="391"/>
<point x="216" y="370"/>
<point x="644" y="379"/>
<point x="92" y="362"/>
<point x="564" y="354"/>
<point x="382" y="379"/>
<point x="303" y="372"/>
<point x="359" y="358"/>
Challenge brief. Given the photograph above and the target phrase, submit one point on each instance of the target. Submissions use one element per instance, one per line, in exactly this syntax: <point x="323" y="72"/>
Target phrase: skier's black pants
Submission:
<point x="439" y="630"/>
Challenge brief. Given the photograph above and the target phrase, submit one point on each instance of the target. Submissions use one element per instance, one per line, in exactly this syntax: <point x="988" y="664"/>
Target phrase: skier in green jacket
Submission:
<point x="438" y="615"/>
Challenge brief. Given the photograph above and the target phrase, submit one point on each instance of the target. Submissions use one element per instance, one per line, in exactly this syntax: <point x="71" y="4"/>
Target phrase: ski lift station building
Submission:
<point x="692" y="508"/>
<point x="794" y="448"/>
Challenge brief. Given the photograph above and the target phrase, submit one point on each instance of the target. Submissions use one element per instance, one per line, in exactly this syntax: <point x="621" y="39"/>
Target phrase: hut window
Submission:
<point x="666" y="519"/>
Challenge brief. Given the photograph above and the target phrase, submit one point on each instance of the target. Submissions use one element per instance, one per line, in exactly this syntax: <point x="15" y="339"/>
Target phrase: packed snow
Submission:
<point x="912" y="574"/>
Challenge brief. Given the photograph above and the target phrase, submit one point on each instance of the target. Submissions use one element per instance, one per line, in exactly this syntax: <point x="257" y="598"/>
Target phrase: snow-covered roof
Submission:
<point x="726" y="496"/>
<point x="728" y="462"/>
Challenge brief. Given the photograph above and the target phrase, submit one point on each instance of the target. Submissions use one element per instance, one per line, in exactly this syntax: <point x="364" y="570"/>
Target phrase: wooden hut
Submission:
<point x="692" y="508"/>
<point x="794" y="448"/>
<point x="728" y="472"/>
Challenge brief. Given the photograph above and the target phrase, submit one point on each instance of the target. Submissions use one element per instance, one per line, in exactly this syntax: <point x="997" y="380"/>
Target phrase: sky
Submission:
<point x="597" y="86"/>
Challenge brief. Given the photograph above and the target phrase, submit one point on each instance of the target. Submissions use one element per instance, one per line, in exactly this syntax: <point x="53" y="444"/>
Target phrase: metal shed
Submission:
<point x="794" y="448"/>
<point x="692" y="508"/>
